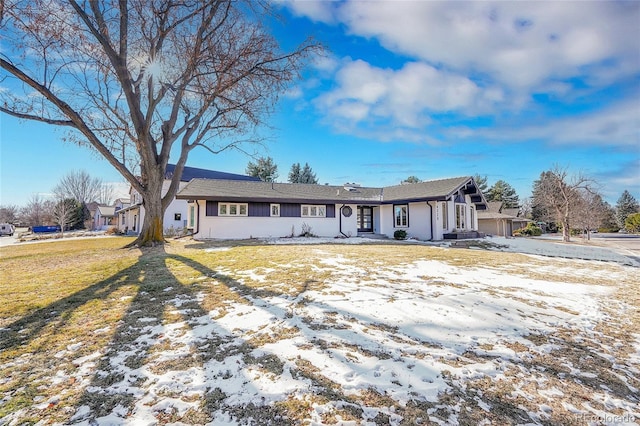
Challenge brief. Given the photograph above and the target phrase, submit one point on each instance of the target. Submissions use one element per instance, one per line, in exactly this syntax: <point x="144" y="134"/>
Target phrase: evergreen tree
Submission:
<point x="625" y="206"/>
<point x="294" y="173"/>
<point x="632" y="223"/>
<point x="302" y="175"/>
<point x="264" y="168"/>
<point x="502" y="191"/>
<point x="609" y="221"/>
<point x="307" y="175"/>
<point x="481" y="181"/>
<point x="412" y="179"/>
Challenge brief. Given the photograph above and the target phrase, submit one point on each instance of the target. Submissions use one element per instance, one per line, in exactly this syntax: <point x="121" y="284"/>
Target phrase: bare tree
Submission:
<point x="589" y="213"/>
<point x="137" y="80"/>
<point x="64" y="210"/>
<point x="526" y="207"/>
<point x="559" y="196"/>
<point x="80" y="186"/>
<point x="8" y="213"/>
<point x="105" y="195"/>
<point x="37" y="211"/>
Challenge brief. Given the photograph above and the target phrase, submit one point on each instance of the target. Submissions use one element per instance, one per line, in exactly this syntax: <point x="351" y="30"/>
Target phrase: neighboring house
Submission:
<point x="175" y="217"/>
<point x="500" y="221"/>
<point x="104" y="218"/>
<point x="431" y="210"/>
<point x="120" y="206"/>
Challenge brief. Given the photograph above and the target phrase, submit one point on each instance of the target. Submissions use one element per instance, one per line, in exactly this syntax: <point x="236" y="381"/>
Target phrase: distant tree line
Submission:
<point x="67" y="207"/>
<point x="569" y="203"/>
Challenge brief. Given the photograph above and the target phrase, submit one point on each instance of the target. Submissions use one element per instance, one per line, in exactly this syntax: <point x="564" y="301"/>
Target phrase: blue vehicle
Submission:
<point x="45" y="229"/>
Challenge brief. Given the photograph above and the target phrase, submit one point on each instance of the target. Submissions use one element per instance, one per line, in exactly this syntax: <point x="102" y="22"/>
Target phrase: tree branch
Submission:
<point x="23" y="116"/>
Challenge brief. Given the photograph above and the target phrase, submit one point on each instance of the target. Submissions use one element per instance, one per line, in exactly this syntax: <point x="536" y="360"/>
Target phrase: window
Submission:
<point x="472" y="217"/>
<point x="460" y="216"/>
<point x="177" y="216"/>
<point x="192" y="216"/>
<point x="232" y="209"/>
<point x="445" y="216"/>
<point x="275" y="210"/>
<point x="401" y="216"/>
<point x="313" y="211"/>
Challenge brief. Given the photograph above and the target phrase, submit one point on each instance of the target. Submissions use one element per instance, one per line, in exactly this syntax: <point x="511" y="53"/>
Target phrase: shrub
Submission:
<point x="400" y="234"/>
<point x="632" y="223"/>
<point x="111" y="231"/>
<point x="608" y="230"/>
<point x="171" y="232"/>
<point x="531" y="230"/>
<point x="306" y="231"/>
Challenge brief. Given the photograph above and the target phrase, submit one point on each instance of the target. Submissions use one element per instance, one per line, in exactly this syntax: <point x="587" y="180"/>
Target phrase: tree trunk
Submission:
<point x="566" y="231"/>
<point x="152" y="231"/>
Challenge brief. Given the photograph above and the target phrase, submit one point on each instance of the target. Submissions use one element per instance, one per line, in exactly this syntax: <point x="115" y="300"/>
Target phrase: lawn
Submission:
<point x="257" y="333"/>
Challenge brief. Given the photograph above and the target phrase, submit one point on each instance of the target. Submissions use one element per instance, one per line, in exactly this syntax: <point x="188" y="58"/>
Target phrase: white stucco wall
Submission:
<point x="176" y="206"/>
<point x="225" y="227"/>
<point x="419" y="221"/>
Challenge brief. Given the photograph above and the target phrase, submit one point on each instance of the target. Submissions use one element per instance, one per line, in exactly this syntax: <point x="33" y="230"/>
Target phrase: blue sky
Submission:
<point x="431" y="89"/>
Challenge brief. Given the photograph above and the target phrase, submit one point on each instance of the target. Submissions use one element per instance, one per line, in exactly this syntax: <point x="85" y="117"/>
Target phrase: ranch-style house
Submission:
<point x="237" y="209"/>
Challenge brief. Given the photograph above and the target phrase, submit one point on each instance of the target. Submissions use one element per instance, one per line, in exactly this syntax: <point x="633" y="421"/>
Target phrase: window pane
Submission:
<point x="223" y="209"/>
<point x="305" y="210"/>
<point x="445" y="219"/>
<point x="243" y="210"/>
<point x="313" y="211"/>
<point x="275" y="209"/>
<point x="233" y="209"/>
<point x="321" y="211"/>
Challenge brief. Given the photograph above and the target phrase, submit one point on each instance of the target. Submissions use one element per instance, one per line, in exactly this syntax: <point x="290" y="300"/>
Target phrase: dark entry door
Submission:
<point x="365" y="219"/>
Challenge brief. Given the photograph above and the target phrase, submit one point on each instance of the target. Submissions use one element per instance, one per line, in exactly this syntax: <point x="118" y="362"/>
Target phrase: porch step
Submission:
<point x="463" y="235"/>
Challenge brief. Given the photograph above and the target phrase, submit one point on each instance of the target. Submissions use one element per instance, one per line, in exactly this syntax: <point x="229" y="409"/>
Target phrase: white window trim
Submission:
<point x="228" y="209"/>
<point x="271" y="207"/>
<point x="192" y="216"/>
<point x="461" y="216"/>
<point x="445" y="216"/>
<point x="406" y="216"/>
<point x="311" y="207"/>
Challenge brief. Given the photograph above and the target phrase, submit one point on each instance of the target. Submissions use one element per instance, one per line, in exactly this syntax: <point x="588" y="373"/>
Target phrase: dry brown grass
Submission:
<point x="71" y="299"/>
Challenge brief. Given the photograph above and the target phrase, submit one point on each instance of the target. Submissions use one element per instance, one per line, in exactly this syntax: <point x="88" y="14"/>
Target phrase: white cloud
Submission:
<point x="403" y="98"/>
<point x="319" y="11"/>
<point x="616" y="126"/>
<point x="484" y="59"/>
<point x="517" y="44"/>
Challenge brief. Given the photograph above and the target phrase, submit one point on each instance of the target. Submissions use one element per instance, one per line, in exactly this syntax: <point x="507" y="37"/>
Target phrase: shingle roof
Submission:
<point x="432" y="189"/>
<point x="494" y="215"/>
<point x="194" y="173"/>
<point x="234" y="190"/>
<point x="107" y="210"/>
<point x="494" y="206"/>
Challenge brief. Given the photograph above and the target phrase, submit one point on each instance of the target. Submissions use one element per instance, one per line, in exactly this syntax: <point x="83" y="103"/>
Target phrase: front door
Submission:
<point x="365" y="219"/>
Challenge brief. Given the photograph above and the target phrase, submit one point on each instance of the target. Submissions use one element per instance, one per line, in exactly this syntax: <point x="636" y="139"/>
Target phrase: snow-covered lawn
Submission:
<point x="356" y="335"/>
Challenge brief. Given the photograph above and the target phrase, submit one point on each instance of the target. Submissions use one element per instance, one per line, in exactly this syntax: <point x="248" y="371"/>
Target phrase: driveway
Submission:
<point x="6" y="240"/>
<point x="628" y="244"/>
